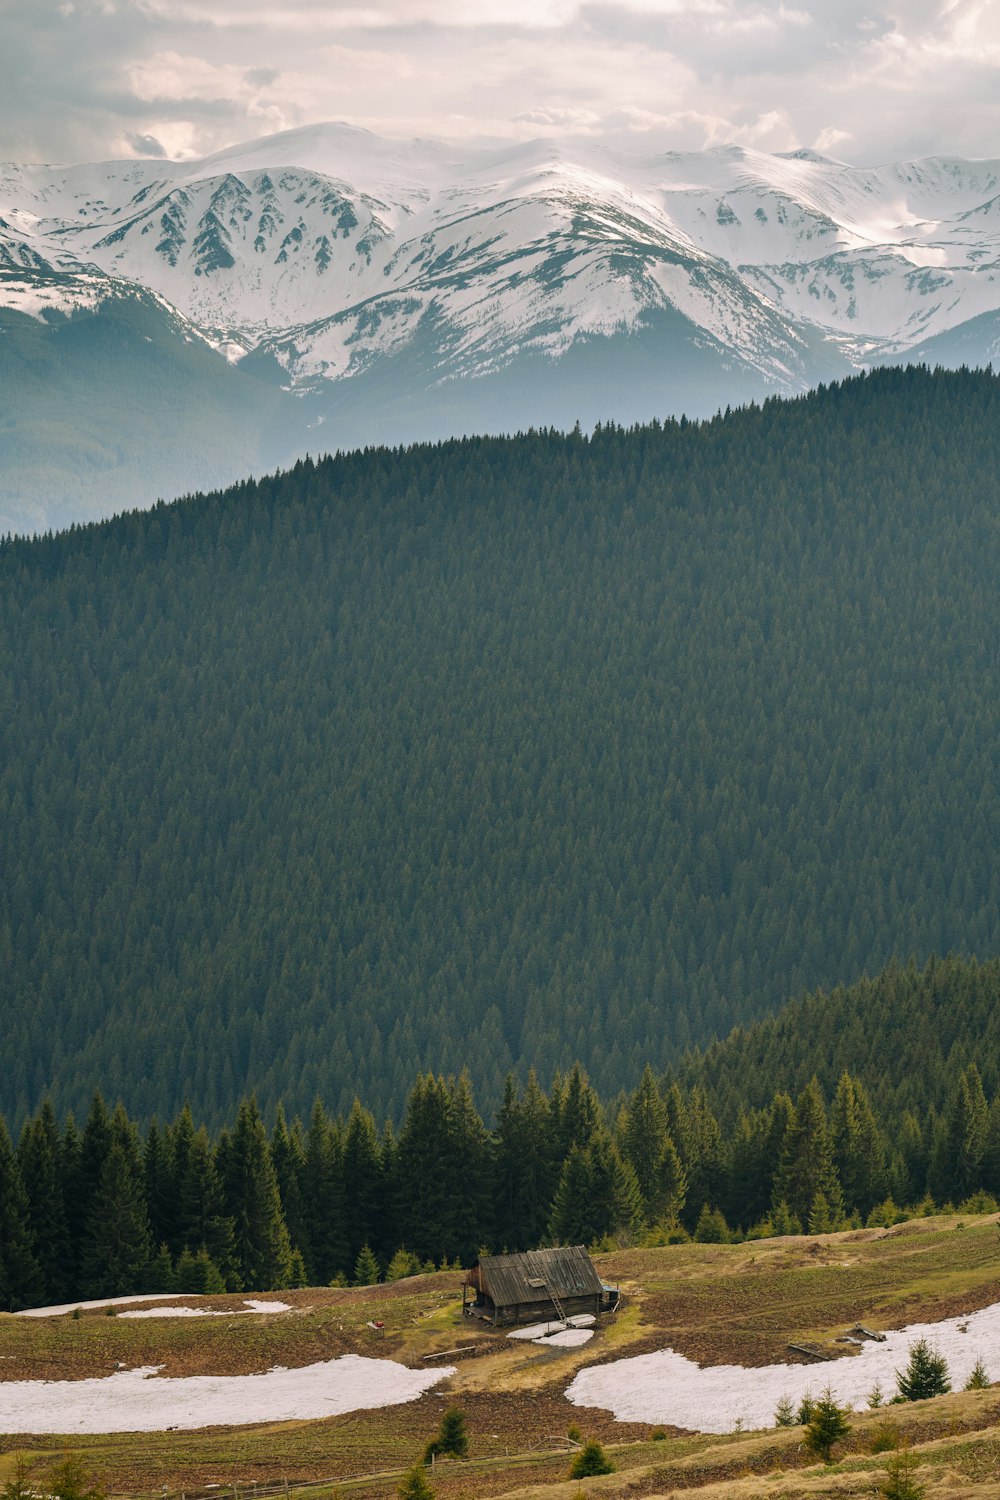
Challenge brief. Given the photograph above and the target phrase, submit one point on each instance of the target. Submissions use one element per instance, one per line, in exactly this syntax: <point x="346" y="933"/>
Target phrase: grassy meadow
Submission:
<point x="715" y="1303"/>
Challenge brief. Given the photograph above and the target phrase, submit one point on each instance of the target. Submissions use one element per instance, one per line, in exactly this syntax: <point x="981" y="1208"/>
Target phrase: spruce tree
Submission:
<point x="289" y="1157"/>
<point x="118" y="1247"/>
<point x="364" y="1186"/>
<point x="39" y="1160"/>
<point x="644" y="1140"/>
<point x="366" y="1268"/>
<point x="261" y="1245"/>
<point x="202" y="1217"/>
<point x="956" y="1168"/>
<point x="523" y="1166"/>
<point x="21" y="1280"/>
<point x="826" y="1426"/>
<point x="925" y="1376"/>
<point x="806" y="1166"/>
<point x="323" y="1193"/>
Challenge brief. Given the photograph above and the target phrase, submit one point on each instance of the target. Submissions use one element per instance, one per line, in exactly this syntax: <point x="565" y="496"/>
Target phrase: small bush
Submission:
<point x="659" y="1436"/>
<point x="591" y="1459"/>
<point x="978" y="1380"/>
<point x="876" y="1397"/>
<point x="804" y="1414"/>
<point x="884" y="1438"/>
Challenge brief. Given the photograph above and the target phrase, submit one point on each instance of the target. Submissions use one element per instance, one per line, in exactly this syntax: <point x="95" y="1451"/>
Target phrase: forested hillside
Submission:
<point x="503" y="752"/>
<point x="112" y="1209"/>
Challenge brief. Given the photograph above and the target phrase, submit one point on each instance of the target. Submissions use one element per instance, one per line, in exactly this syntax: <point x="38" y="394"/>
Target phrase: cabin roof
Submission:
<point x="534" y="1275"/>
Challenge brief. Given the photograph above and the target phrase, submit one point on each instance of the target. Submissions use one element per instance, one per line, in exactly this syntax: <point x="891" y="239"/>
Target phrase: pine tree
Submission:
<point x="644" y="1140"/>
<point x="956" y="1168"/>
<point x="160" y="1275"/>
<point x="21" y="1280"/>
<point x="523" y="1167"/>
<point x="452" y="1440"/>
<point x="118" y="1247"/>
<point x="323" y="1192"/>
<point x="202" y="1217"/>
<point x="261" y="1244"/>
<point x="826" y="1426"/>
<point x="858" y="1149"/>
<point x="925" y="1376"/>
<point x="711" y="1228"/>
<point x="39" y="1161"/>
<point x="784" y="1413"/>
<point x="414" y="1485"/>
<point x="364" y="1186"/>
<point x="19" y="1485"/>
<point x="161" y="1186"/>
<point x="289" y="1157"/>
<point x="900" y="1481"/>
<point x="978" y="1379"/>
<point x="591" y="1460"/>
<point x="806" y="1166"/>
<point x="366" y="1269"/>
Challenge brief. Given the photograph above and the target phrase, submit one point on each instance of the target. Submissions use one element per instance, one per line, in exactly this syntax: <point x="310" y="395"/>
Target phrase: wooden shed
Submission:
<point x="536" y="1285"/>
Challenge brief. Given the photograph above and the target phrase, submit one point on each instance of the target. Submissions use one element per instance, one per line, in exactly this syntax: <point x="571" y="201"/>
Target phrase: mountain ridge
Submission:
<point x="324" y="254"/>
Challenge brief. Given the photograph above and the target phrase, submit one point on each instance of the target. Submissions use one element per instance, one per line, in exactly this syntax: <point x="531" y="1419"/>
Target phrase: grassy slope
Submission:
<point x="716" y="1302"/>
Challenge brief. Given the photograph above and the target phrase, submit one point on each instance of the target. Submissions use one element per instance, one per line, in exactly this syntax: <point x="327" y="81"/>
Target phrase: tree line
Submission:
<point x="499" y="753"/>
<point x="110" y="1209"/>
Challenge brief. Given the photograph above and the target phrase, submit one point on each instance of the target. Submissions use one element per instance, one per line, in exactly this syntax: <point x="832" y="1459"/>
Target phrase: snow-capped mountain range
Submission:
<point x="401" y="289"/>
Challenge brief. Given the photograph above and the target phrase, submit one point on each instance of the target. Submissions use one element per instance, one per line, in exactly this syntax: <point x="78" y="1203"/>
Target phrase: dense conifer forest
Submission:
<point x="502" y="753"/>
<point x="108" y="1209"/>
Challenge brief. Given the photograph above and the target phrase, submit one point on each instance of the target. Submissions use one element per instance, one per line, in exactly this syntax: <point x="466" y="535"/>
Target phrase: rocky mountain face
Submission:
<point x="349" y="289"/>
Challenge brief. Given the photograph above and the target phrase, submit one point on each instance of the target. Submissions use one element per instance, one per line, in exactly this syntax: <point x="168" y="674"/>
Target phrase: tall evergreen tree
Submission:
<point x="323" y="1190"/>
<point x="859" y="1153"/>
<point x="364" y="1185"/>
<point x="21" y="1279"/>
<point x="261" y="1244"/>
<point x="118" y="1248"/>
<point x="39" y="1155"/>
<point x="960" y="1145"/>
<point x="806" y="1167"/>
<point x="288" y="1153"/>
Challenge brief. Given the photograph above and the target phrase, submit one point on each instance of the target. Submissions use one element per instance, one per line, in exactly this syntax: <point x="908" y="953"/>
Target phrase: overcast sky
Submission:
<point x="865" y="80"/>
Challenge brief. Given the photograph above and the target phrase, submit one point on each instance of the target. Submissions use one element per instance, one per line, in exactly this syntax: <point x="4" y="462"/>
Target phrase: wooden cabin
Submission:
<point x="536" y="1286"/>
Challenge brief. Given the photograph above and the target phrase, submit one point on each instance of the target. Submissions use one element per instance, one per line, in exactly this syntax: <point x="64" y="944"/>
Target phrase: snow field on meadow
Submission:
<point x="251" y="1305"/>
<point x="667" y="1387"/>
<point x="137" y="1401"/>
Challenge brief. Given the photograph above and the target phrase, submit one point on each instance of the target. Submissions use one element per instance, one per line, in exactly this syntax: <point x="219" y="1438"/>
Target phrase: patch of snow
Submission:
<point x="68" y="1307"/>
<point x="250" y="1306"/>
<point x="667" y="1387"/>
<point x="537" y="1331"/>
<point x="136" y="1401"/>
<point x="570" y="1338"/>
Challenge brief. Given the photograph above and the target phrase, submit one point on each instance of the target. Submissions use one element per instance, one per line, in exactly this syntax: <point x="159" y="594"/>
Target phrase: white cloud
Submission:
<point x="889" y="78"/>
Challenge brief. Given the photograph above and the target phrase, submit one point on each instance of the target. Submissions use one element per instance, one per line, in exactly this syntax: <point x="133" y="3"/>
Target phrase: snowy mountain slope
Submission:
<point x="352" y="270"/>
<point x="312" y="225"/>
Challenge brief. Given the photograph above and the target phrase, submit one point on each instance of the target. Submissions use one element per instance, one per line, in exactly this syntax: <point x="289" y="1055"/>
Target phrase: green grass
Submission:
<point x="716" y="1302"/>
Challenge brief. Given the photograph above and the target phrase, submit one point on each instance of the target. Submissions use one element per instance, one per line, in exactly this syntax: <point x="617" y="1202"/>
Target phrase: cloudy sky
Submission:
<point x="865" y="80"/>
